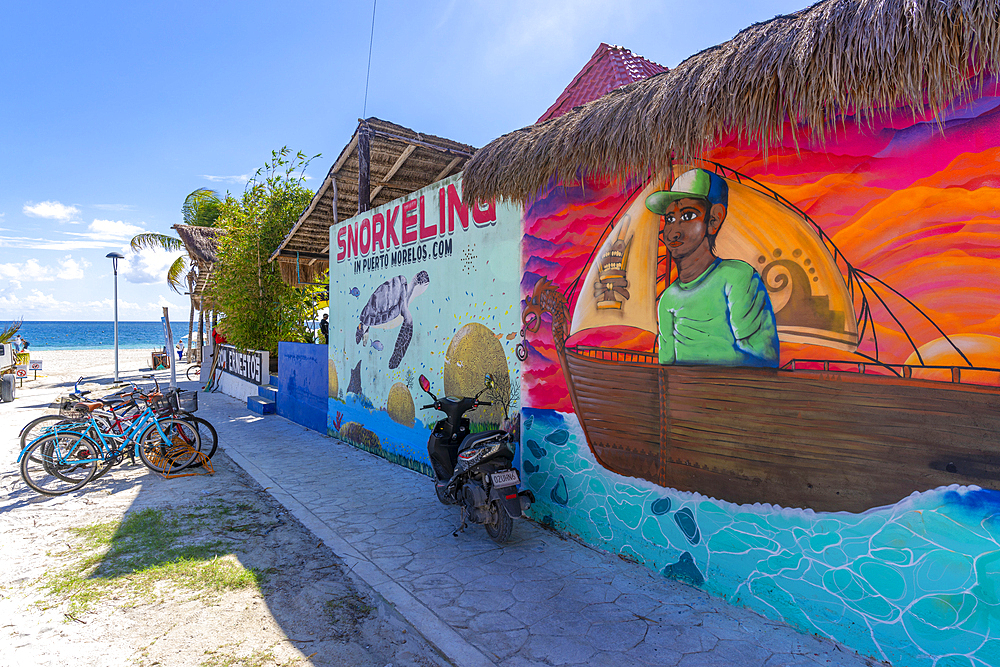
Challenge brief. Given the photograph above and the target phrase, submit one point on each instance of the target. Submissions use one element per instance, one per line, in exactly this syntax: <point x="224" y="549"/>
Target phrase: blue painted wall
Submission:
<point x="302" y="384"/>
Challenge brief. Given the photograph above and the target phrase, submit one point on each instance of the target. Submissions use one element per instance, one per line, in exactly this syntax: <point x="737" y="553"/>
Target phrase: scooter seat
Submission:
<point x="479" y="439"/>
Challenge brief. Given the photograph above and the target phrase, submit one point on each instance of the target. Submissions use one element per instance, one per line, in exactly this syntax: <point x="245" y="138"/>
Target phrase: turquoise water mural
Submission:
<point x="400" y="444"/>
<point x="915" y="583"/>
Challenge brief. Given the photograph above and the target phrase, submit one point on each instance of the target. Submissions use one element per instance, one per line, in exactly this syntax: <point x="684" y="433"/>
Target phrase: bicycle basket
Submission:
<point x="166" y="403"/>
<point x="187" y="401"/>
<point x="67" y="408"/>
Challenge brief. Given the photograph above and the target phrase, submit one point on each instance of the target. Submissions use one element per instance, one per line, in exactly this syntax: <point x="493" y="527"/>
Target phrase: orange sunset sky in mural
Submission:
<point x="908" y="204"/>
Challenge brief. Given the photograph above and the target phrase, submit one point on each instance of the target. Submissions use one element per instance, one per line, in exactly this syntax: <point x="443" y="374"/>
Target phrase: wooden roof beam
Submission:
<point x="451" y="165"/>
<point x="346" y="154"/>
<point x="392" y="172"/>
<point x="426" y="144"/>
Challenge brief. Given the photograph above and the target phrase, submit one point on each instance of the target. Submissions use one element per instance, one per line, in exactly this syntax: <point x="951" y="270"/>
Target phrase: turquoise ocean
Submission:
<point x="98" y="335"/>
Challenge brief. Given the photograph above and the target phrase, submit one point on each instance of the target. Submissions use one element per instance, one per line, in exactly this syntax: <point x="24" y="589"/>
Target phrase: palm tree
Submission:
<point x="202" y="209"/>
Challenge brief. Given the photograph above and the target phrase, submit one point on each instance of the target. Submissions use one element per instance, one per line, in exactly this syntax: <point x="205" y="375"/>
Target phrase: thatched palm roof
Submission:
<point x="814" y="66"/>
<point x="202" y="245"/>
<point x="401" y="161"/>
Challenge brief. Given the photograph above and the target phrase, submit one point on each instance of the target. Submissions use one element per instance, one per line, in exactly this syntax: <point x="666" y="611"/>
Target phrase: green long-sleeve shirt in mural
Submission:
<point x="723" y="317"/>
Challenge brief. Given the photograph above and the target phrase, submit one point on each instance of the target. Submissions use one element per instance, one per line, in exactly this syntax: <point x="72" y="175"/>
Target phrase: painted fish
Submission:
<point x="355" y="292"/>
<point x="377" y="344"/>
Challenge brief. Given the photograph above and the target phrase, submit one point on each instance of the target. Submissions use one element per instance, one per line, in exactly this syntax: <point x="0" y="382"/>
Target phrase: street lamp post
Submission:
<point x="114" y="257"/>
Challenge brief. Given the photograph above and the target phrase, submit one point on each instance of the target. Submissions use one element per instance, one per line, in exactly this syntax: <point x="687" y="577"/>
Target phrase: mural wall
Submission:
<point x="422" y="285"/>
<point x="778" y="379"/>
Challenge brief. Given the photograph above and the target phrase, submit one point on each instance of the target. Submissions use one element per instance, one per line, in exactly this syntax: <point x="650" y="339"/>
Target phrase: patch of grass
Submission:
<point x="258" y="658"/>
<point x="146" y="550"/>
<point x="346" y="612"/>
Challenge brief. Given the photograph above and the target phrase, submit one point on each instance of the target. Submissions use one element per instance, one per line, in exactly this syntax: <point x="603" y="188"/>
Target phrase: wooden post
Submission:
<point x="201" y="329"/>
<point x="364" y="167"/>
<point x="170" y="348"/>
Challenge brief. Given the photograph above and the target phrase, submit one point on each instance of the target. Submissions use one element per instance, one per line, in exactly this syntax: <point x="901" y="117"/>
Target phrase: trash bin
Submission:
<point x="7" y="387"/>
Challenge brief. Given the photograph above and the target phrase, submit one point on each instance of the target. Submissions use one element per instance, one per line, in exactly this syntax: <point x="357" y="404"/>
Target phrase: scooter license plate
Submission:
<point x="505" y="478"/>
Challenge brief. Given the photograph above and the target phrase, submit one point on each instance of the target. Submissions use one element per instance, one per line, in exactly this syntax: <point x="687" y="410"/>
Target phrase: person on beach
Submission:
<point x="180" y="350"/>
<point x="324" y="327"/>
<point x="718" y="311"/>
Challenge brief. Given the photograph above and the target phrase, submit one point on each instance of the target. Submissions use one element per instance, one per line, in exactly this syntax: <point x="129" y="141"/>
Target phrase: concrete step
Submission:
<point x="273" y="380"/>
<point x="261" y="405"/>
<point x="268" y="391"/>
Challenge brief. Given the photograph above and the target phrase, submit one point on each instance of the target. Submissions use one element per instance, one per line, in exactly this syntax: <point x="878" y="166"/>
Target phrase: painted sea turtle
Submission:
<point x="389" y="307"/>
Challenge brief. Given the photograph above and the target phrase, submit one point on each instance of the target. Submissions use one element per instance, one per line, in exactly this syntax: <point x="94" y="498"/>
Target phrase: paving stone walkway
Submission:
<point x="539" y="600"/>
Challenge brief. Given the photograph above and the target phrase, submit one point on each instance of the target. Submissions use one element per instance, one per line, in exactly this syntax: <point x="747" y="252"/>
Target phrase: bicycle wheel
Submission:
<point x="209" y="438"/>
<point x="37" y="427"/>
<point x="79" y="429"/>
<point x="59" y="463"/>
<point x="194" y="372"/>
<point x="169" y="445"/>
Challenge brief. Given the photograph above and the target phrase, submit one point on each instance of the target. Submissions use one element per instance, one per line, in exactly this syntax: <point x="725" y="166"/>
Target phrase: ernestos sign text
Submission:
<point x="250" y="365"/>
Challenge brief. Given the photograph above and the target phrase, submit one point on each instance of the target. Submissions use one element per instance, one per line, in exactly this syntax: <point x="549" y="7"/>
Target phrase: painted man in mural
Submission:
<point x="717" y="312"/>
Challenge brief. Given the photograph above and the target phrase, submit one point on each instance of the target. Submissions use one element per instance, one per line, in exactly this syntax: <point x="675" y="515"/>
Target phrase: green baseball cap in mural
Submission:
<point x="697" y="184"/>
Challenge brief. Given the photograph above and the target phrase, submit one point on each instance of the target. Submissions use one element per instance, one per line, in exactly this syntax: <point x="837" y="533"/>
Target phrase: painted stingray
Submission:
<point x="354" y="387"/>
<point x="389" y="307"/>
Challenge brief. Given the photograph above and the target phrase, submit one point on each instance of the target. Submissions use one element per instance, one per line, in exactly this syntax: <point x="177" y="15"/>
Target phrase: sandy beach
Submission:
<point x="96" y="366"/>
<point x="62" y="368"/>
<point x="308" y="610"/>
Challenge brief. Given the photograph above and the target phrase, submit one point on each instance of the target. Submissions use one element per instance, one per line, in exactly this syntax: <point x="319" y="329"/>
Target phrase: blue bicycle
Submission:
<point x="71" y="454"/>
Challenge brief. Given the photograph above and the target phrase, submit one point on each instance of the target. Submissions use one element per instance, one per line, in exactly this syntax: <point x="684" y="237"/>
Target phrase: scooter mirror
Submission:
<point x="425" y="384"/>
<point x="488" y="380"/>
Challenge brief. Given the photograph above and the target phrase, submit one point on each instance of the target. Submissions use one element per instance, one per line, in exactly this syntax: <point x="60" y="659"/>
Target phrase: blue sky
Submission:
<point x="113" y="112"/>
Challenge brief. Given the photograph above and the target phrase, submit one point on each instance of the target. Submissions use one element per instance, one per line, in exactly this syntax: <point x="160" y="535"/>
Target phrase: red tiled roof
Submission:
<point x="610" y="67"/>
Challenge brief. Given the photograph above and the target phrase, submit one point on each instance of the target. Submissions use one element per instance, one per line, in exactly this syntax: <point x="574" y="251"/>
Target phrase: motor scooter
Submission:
<point x="474" y="470"/>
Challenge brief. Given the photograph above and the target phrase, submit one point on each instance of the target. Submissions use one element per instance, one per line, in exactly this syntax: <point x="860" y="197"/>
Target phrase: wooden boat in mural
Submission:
<point x="829" y="436"/>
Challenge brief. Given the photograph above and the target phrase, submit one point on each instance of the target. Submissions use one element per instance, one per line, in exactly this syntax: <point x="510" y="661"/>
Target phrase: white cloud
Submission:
<point x="28" y="270"/>
<point x="114" y="228"/>
<point x="99" y="234"/>
<point x="228" y="179"/>
<point x="46" y="305"/>
<point x="52" y="210"/>
<point x="71" y="269"/>
<point x="163" y="302"/>
<point x="32" y="270"/>
<point x="149" y="265"/>
<point x="29" y="243"/>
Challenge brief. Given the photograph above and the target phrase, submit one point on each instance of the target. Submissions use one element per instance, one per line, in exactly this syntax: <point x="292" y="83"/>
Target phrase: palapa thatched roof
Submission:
<point x="202" y="245"/>
<point x="401" y="161"/>
<point x="833" y="58"/>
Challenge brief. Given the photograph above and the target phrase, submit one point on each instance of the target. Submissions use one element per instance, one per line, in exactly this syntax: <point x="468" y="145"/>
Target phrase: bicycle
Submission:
<point x="194" y="373"/>
<point x="70" y="456"/>
<point x="67" y="412"/>
<point x="182" y="405"/>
